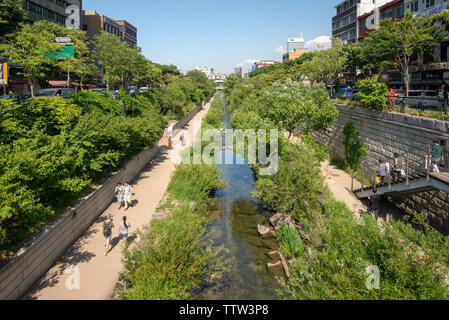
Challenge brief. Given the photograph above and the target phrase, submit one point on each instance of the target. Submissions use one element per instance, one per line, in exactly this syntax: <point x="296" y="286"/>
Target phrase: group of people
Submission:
<point x="395" y="169"/>
<point x="108" y="226"/>
<point x="123" y="195"/>
<point x="435" y="162"/>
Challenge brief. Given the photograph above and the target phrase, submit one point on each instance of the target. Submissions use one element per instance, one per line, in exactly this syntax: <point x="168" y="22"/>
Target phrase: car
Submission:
<point x="143" y="89"/>
<point x="422" y="99"/>
<point x="345" y="93"/>
<point x="99" y="90"/>
<point x="14" y="97"/>
<point x="55" y="92"/>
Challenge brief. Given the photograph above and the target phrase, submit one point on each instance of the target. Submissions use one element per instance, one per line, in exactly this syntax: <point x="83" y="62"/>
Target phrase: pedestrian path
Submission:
<point x="98" y="274"/>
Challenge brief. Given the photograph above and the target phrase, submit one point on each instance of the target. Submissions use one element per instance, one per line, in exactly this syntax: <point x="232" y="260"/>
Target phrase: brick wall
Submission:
<point x="386" y="133"/>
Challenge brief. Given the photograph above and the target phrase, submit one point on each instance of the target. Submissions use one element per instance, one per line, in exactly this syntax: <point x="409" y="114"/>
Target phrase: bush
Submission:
<point x="372" y="95"/>
<point x="94" y="102"/>
<point x="215" y="114"/>
<point x="173" y="257"/>
<point x="194" y="182"/>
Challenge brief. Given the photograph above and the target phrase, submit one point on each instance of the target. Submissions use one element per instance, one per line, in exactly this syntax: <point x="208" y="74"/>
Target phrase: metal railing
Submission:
<point x="416" y="163"/>
<point x="422" y="104"/>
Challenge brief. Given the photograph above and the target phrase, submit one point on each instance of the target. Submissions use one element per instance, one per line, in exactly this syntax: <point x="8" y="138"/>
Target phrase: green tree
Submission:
<point x="326" y="65"/>
<point x="231" y="81"/>
<point x="82" y="64"/>
<point x="11" y="15"/>
<point x="372" y="94"/>
<point x="201" y="80"/>
<point x="401" y="41"/>
<point x="30" y="48"/>
<point x="294" y="105"/>
<point x="108" y="51"/>
<point x="354" y="149"/>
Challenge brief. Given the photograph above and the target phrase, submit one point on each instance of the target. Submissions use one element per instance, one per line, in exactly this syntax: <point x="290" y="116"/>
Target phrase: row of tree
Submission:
<point x="34" y="48"/>
<point x="395" y="45"/>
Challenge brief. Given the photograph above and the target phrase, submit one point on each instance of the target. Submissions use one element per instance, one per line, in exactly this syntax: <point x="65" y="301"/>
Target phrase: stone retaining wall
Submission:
<point x="19" y="273"/>
<point x="386" y="133"/>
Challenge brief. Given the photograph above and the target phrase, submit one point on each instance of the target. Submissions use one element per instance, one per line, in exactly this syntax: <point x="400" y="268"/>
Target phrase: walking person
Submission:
<point x="397" y="167"/>
<point x="437" y="155"/>
<point x="124" y="226"/>
<point x="108" y="225"/>
<point x="183" y="140"/>
<point x="119" y="190"/>
<point x="375" y="204"/>
<point x="382" y="171"/>
<point x="127" y="192"/>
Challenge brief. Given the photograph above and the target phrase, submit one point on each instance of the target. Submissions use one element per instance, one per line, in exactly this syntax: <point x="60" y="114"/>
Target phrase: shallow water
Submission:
<point x="234" y="226"/>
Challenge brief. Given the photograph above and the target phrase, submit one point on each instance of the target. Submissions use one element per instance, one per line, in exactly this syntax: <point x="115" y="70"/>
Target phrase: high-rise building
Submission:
<point x="128" y="32"/>
<point x="345" y="23"/>
<point x="65" y="12"/>
<point x="295" y="43"/>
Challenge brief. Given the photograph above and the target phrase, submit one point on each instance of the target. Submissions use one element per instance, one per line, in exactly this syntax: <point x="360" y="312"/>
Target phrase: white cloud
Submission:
<point x="246" y="62"/>
<point x="170" y="61"/>
<point x="319" y="43"/>
<point x="280" y="50"/>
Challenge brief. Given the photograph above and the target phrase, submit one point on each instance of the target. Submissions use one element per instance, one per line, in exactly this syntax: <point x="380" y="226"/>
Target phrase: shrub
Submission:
<point x="194" y="182"/>
<point x="94" y="102"/>
<point x="372" y="95"/>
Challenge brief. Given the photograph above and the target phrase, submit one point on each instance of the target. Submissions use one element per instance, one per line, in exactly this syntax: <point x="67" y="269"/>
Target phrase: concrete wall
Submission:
<point x="386" y="133"/>
<point x="18" y="274"/>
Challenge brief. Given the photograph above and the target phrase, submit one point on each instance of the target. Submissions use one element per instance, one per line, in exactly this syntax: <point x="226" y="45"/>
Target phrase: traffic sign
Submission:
<point x="63" y="40"/>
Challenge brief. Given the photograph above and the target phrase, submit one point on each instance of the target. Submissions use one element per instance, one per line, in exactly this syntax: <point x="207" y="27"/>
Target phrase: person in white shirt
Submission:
<point x="119" y="194"/>
<point x="127" y="192"/>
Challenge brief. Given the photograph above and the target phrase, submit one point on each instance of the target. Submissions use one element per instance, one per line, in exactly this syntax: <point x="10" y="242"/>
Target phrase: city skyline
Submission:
<point x="220" y="35"/>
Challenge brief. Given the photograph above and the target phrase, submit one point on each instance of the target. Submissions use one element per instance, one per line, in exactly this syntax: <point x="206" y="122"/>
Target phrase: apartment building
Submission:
<point x="345" y="23"/>
<point x="58" y="11"/>
<point x="128" y="32"/>
<point x="371" y="20"/>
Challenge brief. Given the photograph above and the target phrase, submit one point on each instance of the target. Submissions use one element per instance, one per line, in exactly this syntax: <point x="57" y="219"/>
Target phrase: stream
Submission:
<point x="233" y="225"/>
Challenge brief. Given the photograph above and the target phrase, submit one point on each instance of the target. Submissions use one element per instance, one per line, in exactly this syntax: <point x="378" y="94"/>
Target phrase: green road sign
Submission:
<point x="63" y="53"/>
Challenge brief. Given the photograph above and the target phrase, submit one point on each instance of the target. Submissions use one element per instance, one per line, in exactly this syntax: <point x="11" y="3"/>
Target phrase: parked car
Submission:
<point x="345" y="93"/>
<point x="143" y="89"/>
<point x="422" y="99"/>
<point x="55" y="92"/>
<point x="99" y="90"/>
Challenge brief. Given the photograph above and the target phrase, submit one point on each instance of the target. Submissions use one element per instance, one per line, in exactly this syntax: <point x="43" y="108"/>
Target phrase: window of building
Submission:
<point x="84" y="27"/>
<point x="430" y="3"/>
<point x="34" y="8"/>
<point x="399" y="11"/>
<point x="414" y="6"/>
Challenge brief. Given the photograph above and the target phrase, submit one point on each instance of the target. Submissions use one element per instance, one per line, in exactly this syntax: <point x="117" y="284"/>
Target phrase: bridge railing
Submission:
<point x="416" y="161"/>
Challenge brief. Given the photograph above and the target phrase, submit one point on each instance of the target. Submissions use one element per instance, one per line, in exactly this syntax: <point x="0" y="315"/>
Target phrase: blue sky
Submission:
<point x="219" y="34"/>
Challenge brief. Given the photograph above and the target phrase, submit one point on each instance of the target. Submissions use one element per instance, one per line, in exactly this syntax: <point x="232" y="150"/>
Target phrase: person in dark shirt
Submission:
<point x="437" y="155"/>
<point x="374" y="204"/>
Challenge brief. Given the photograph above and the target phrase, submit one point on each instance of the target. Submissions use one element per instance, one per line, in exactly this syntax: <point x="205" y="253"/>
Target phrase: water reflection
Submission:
<point x="236" y="230"/>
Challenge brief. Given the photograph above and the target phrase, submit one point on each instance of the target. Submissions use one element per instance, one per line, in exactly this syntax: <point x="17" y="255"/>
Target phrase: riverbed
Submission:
<point x="233" y="225"/>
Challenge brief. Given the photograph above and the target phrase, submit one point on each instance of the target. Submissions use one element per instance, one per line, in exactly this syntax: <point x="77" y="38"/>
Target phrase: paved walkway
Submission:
<point x="339" y="183"/>
<point x="98" y="274"/>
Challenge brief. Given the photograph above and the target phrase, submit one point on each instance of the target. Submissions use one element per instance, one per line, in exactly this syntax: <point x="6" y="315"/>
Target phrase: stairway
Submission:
<point x="414" y="184"/>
